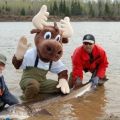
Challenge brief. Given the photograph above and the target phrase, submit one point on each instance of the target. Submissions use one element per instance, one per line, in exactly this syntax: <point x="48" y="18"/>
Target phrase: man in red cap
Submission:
<point x="89" y="58"/>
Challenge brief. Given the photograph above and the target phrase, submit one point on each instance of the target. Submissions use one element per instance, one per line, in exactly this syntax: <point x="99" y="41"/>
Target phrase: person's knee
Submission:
<point x="28" y="82"/>
<point x="32" y="89"/>
<point x="34" y="83"/>
<point x="2" y="107"/>
<point x="2" y="104"/>
<point x="9" y="99"/>
<point x="13" y="101"/>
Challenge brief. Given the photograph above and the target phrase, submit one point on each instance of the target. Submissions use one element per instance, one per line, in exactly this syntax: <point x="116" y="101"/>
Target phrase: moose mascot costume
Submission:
<point x="36" y="62"/>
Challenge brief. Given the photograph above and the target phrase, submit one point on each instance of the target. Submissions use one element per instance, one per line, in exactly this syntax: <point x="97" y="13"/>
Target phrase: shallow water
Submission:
<point x="105" y="100"/>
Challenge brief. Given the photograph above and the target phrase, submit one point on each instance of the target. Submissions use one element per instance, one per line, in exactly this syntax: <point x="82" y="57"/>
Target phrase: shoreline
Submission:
<point x="13" y="18"/>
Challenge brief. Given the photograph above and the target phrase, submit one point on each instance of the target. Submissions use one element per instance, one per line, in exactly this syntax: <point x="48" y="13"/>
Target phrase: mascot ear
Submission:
<point x="64" y="40"/>
<point x="35" y="31"/>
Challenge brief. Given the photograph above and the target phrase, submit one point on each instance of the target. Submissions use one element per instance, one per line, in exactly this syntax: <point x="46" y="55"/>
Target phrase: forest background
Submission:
<point x="78" y="10"/>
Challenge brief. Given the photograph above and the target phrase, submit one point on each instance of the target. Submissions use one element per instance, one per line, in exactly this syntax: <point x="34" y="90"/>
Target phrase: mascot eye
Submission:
<point x="47" y="35"/>
<point x="58" y="38"/>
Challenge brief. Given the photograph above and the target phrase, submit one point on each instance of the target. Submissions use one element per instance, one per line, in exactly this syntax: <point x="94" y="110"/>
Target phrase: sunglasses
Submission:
<point x="87" y="43"/>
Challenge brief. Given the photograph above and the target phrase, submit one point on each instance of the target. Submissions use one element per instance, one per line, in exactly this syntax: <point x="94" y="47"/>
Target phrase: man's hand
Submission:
<point x="94" y="81"/>
<point x="63" y="85"/>
<point x="21" y="48"/>
<point x="78" y="83"/>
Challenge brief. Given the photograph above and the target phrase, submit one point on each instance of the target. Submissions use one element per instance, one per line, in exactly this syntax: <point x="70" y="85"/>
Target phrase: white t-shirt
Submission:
<point x="29" y="61"/>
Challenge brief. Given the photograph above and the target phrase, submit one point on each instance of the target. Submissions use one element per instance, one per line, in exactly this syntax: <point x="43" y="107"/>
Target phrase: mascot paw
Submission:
<point x="22" y="48"/>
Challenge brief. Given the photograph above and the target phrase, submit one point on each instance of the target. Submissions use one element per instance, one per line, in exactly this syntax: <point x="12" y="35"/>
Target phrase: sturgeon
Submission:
<point x="25" y="110"/>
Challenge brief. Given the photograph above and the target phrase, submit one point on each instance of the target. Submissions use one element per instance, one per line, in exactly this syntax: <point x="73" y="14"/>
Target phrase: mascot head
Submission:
<point x="49" y="38"/>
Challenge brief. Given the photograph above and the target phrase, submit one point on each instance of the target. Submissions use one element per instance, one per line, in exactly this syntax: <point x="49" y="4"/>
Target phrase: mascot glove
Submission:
<point x="39" y="20"/>
<point x="22" y="48"/>
<point x="63" y="84"/>
<point x="66" y="27"/>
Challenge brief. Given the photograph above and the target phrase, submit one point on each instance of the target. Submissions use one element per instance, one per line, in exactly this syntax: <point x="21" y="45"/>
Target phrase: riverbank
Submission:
<point x="13" y="18"/>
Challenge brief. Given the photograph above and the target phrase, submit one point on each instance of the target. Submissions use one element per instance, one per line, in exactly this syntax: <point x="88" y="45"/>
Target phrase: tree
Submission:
<point x="91" y="9"/>
<point x="67" y="12"/>
<point x="100" y="8"/>
<point x="62" y="8"/>
<point x="76" y="9"/>
<point x="51" y="9"/>
<point x="22" y="12"/>
<point x="107" y="9"/>
<point x="55" y="8"/>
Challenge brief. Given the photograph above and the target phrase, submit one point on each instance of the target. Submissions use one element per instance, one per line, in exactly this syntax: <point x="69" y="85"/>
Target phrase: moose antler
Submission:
<point x="39" y="20"/>
<point x="66" y="27"/>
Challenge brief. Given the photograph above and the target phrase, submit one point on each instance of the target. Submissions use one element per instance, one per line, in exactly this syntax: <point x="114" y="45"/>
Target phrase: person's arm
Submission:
<point x="63" y="74"/>
<point x="2" y="85"/>
<point x="1" y="91"/>
<point x="102" y="66"/>
<point x="77" y="69"/>
<point x="18" y="57"/>
<point x="16" y="63"/>
<point x="7" y="97"/>
<point x="60" y="69"/>
<point x="63" y="83"/>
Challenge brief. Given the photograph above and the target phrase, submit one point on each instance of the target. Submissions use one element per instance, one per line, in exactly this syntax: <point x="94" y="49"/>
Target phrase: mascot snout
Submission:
<point x="51" y="50"/>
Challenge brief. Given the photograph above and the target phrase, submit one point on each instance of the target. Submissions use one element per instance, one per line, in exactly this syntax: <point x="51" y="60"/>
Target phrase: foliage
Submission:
<point x="101" y="8"/>
<point x="22" y="12"/>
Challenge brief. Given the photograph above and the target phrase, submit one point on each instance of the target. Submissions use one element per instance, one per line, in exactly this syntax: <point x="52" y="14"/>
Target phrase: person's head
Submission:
<point x="88" y="42"/>
<point x="3" y="60"/>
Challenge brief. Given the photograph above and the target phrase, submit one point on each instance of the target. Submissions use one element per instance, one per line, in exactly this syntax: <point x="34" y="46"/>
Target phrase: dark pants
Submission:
<point x="7" y="97"/>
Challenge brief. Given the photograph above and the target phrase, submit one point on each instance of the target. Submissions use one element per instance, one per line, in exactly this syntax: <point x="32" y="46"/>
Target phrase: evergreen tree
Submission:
<point x="22" y="12"/>
<point x="100" y="8"/>
<point x="64" y="6"/>
<point x="107" y="9"/>
<point x="7" y="9"/>
<point x="67" y="12"/>
<point x="91" y="9"/>
<point x="61" y="8"/>
<point x="76" y="9"/>
<point x="51" y="9"/>
<point x="55" y="8"/>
